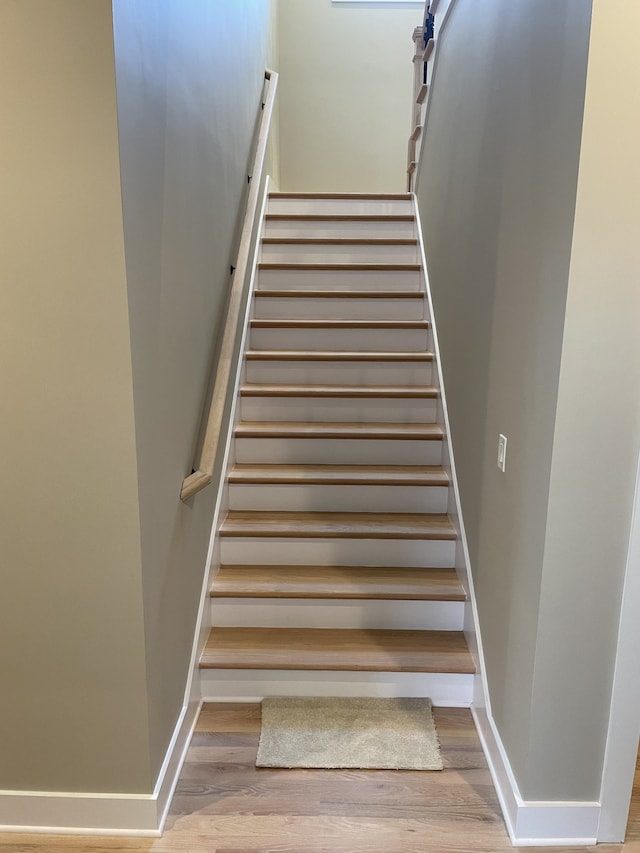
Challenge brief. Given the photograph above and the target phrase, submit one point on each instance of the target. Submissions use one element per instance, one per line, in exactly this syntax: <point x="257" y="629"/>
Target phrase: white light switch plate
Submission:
<point x="502" y="452"/>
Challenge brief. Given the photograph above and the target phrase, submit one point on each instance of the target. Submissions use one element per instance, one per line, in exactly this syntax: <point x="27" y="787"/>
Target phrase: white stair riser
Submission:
<point x="309" y="253"/>
<point x="334" y="498"/>
<point x="338" y="280"/>
<point x="319" y="451"/>
<point x="340" y="206"/>
<point x="273" y="551"/>
<point x="453" y="690"/>
<point x="332" y="409"/>
<point x="328" y="613"/>
<point x="285" y="228"/>
<point x="272" y="307"/>
<point x="339" y="372"/>
<point x="360" y="340"/>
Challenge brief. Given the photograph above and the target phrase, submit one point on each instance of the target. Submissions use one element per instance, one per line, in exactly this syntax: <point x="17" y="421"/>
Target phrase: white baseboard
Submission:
<point x="532" y="823"/>
<point x="64" y="813"/>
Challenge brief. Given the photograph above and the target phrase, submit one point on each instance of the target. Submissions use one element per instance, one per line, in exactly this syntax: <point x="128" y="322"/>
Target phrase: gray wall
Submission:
<point x="497" y="193"/>
<point x="114" y="268"/>
<point x="73" y="708"/>
<point x="597" y="433"/>
<point x="189" y="80"/>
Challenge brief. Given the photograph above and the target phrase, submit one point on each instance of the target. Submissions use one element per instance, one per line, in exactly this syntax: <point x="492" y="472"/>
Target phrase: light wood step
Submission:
<point x="337" y="649"/>
<point x="416" y="295"/>
<point x="340" y="334"/>
<point x="374" y="475"/>
<point x="326" y="442"/>
<point x="340" y="304"/>
<point x="339" y="241"/>
<point x="340" y="217"/>
<point x="339" y="250"/>
<point x="342" y="582"/>
<point x="344" y="355"/>
<point x="338" y="488"/>
<point x="396" y="404"/>
<point x="347" y="267"/>
<point x="285" y="277"/>
<point x="321" y="367"/>
<point x="343" y="196"/>
<point x="315" y="323"/>
<point x="394" y="392"/>
<point x="359" y="431"/>
<point x="337" y="525"/>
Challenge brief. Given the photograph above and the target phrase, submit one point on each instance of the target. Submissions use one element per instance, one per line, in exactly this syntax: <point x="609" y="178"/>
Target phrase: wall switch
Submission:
<point x="502" y="451"/>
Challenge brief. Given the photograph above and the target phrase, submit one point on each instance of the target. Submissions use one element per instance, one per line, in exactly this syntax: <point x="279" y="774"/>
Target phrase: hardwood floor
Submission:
<point x="224" y="804"/>
<point x="633" y="827"/>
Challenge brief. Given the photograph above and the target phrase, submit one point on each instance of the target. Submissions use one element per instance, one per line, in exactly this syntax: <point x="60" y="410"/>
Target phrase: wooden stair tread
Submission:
<point x="337" y="525"/>
<point x="337" y="649"/>
<point x="340" y="391"/>
<point x="389" y="475"/>
<point x="309" y="323"/>
<point x="339" y="294"/>
<point x="330" y="429"/>
<point x="340" y="241"/>
<point x="335" y="355"/>
<point x="337" y="582"/>
<point x="354" y="196"/>
<point x="340" y="217"/>
<point x="342" y="267"/>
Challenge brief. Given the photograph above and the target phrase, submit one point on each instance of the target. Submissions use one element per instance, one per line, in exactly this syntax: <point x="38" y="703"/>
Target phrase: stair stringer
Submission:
<point x="454" y="508"/>
<point x="203" y="625"/>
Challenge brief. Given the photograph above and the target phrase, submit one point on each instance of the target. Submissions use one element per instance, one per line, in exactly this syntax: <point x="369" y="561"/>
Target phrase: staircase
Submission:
<point x="336" y="555"/>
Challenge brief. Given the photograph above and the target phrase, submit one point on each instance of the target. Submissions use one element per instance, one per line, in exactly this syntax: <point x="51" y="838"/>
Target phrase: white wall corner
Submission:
<point x="531" y="823"/>
<point x="97" y="813"/>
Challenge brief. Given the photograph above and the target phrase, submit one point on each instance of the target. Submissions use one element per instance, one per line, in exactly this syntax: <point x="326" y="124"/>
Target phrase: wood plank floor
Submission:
<point x="224" y="804"/>
<point x="633" y="827"/>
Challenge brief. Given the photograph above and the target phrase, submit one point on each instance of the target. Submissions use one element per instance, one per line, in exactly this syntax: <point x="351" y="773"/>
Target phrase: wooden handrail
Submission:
<point x="203" y="474"/>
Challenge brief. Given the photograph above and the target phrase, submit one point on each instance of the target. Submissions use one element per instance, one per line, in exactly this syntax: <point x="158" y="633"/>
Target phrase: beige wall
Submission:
<point x="115" y="266"/>
<point x="497" y="196"/>
<point x="345" y="98"/>
<point x="189" y="78"/>
<point x="597" y="434"/>
<point x="73" y="708"/>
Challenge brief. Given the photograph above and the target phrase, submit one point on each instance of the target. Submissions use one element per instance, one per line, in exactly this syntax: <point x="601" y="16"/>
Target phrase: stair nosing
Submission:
<point x="336" y="355"/>
<point x="340" y="217"/>
<point x="340" y="430"/>
<point x="312" y="323"/>
<point x="343" y="196"/>
<point x="339" y="475"/>
<point x="341" y="267"/>
<point x="339" y="241"/>
<point x="394" y="392"/>
<point x="342" y="583"/>
<point x="336" y="525"/>
<point x="339" y="294"/>
<point x="324" y="649"/>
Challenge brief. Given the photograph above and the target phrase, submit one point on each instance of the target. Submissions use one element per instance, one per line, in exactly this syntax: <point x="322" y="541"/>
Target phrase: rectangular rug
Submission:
<point x="363" y="733"/>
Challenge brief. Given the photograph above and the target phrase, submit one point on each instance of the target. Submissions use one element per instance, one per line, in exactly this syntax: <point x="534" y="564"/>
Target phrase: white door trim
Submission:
<point x="624" y="716"/>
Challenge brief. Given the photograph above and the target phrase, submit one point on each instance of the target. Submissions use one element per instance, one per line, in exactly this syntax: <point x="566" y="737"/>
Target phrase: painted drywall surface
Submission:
<point x="597" y="434"/>
<point x="272" y="160"/>
<point x="189" y="79"/>
<point x="497" y="195"/>
<point x="72" y="673"/>
<point x="345" y="98"/>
